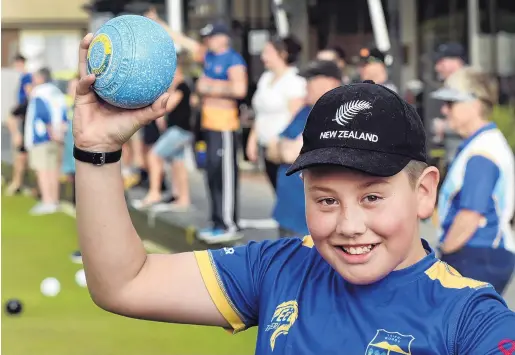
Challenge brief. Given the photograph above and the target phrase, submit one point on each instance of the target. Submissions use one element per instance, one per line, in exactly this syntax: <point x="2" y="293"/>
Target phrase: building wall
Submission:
<point x="16" y="13"/>
<point x="46" y="32"/>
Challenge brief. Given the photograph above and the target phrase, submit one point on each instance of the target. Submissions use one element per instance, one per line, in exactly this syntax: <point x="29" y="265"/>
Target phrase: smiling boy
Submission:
<point x="362" y="283"/>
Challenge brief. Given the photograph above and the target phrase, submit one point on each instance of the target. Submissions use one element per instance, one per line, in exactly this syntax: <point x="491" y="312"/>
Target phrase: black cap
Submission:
<point x="322" y="68"/>
<point x="369" y="55"/>
<point x="215" y="29"/>
<point x="450" y="50"/>
<point x="362" y="126"/>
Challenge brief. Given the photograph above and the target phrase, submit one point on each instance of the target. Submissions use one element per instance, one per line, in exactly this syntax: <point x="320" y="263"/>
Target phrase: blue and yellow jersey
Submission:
<point x="482" y="179"/>
<point x="216" y="67"/>
<point x="301" y="305"/>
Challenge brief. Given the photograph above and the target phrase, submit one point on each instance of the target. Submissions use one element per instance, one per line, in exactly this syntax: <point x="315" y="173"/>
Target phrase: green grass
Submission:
<point x="34" y="248"/>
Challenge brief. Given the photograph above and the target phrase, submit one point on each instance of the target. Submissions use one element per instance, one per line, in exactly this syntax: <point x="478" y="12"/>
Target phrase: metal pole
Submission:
<point x="473" y="30"/>
<point x="377" y="18"/>
<point x="281" y="20"/>
<point x="174" y="10"/>
<point x="395" y="45"/>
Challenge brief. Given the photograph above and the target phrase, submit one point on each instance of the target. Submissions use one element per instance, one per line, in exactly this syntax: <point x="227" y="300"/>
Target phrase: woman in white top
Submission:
<point x="280" y="94"/>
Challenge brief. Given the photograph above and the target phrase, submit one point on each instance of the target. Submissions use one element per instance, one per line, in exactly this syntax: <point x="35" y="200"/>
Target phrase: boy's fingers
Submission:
<point x="157" y="109"/>
<point x="83" y="54"/>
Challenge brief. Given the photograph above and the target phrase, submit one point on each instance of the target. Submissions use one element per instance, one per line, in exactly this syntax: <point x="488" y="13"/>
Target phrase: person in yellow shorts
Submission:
<point x="222" y="84"/>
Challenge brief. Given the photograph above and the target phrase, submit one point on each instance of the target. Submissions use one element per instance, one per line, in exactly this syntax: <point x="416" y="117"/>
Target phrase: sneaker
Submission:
<point x="76" y="257"/>
<point x="170" y="207"/>
<point x="12" y="190"/>
<point x="44" y="208"/>
<point x="218" y="235"/>
<point x="141" y="204"/>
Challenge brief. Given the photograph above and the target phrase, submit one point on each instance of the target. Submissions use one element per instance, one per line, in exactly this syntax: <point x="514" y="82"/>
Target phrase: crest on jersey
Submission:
<point x="284" y="316"/>
<point x="218" y="69"/>
<point x="390" y="343"/>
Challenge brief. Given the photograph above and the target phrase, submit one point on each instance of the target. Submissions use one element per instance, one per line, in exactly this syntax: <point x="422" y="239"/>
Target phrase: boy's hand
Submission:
<point x="100" y="127"/>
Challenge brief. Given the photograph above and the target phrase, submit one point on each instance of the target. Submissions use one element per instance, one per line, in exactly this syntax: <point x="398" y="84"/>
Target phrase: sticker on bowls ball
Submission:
<point x="80" y="278"/>
<point x="99" y="54"/>
<point x="50" y="287"/>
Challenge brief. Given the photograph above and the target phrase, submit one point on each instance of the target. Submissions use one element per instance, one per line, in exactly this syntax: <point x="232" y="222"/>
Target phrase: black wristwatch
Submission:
<point x="96" y="158"/>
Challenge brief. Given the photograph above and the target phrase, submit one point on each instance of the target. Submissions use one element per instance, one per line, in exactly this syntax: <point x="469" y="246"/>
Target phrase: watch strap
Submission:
<point x="96" y="158"/>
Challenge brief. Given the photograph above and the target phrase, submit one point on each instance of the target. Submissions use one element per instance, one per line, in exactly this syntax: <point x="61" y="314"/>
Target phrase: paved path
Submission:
<point x="256" y="203"/>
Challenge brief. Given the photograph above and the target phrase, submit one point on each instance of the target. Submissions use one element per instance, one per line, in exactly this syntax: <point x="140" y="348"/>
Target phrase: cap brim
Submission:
<point x="370" y="162"/>
<point x="307" y="74"/>
<point x="311" y="74"/>
<point x="449" y="94"/>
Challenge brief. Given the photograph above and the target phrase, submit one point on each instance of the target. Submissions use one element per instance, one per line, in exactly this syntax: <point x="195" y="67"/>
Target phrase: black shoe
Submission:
<point x="76" y="257"/>
<point x="169" y="199"/>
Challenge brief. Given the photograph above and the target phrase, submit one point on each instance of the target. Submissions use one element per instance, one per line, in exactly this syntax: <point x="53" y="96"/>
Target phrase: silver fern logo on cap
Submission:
<point x="349" y="110"/>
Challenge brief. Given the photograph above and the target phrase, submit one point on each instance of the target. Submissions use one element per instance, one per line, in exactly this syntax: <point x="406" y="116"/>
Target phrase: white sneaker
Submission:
<point x="216" y="236"/>
<point x="44" y="208"/>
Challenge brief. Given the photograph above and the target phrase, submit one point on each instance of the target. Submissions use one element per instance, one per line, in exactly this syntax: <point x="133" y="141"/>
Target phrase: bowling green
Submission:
<point x="34" y="248"/>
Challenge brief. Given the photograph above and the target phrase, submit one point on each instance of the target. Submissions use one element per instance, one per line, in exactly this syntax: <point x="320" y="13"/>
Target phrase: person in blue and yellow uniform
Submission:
<point x="16" y="125"/>
<point x="363" y="282"/>
<point x="477" y="199"/>
<point x="223" y="82"/>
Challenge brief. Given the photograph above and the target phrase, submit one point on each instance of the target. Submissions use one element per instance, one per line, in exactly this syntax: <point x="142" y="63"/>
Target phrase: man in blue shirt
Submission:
<point x="363" y="282"/>
<point x="223" y="83"/>
<point x="289" y="210"/>
<point x="45" y="126"/>
<point x="16" y="124"/>
<point x="477" y="198"/>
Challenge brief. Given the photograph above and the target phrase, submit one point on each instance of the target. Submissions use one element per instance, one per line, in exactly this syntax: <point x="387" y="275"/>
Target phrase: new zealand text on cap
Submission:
<point x="365" y="127"/>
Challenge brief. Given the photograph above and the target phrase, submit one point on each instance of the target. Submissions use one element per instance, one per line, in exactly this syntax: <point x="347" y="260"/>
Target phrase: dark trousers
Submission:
<point x="495" y="266"/>
<point x="222" y="178"/>
<point x="271" y="170"/>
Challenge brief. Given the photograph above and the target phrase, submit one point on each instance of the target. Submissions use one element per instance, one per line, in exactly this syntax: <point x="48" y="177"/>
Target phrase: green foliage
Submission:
<point x="504" y="117"/>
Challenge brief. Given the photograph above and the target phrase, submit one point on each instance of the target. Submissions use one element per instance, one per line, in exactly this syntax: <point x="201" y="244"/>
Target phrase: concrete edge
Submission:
<point x="163" y="232"/>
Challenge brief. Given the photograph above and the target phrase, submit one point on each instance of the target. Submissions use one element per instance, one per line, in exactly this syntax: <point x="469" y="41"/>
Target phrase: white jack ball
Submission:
<point x="50" y="287"/>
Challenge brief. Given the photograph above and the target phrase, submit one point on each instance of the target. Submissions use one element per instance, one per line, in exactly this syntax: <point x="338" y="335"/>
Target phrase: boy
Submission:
<point x="362" y="283"/>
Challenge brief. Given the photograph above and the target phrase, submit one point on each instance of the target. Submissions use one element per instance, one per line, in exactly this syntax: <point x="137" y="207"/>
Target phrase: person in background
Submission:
<point x="68" y="162"/>
<point x="336" y="54"/>
<point x="46" y="122"/>
<point x="290" y="211"/>
<point x="224" y="81"/>
<point x="448" y="59"/>
<point x="16" y="126"/>
<point x="170" y="148"/>
<point x="372" y="66"/>
<point x="279" y="96"/>
<point x="476" y="200"/>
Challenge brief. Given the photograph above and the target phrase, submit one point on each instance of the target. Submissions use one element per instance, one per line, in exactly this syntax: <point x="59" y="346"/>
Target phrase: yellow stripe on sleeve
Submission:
<point x="450" y="278"/>
<point x="217" y="291"/>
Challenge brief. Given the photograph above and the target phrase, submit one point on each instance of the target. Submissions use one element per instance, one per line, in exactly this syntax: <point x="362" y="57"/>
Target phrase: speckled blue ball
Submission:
<point x="134" y="61"/>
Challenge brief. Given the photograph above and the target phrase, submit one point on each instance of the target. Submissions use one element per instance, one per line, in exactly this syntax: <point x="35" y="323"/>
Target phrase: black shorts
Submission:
<point x="20" y="110"/>
<point x="150" y="133"/>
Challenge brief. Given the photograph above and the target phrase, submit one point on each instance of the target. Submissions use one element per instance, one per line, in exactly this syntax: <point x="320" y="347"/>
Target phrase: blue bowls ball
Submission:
<point x="134" y="60"/>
